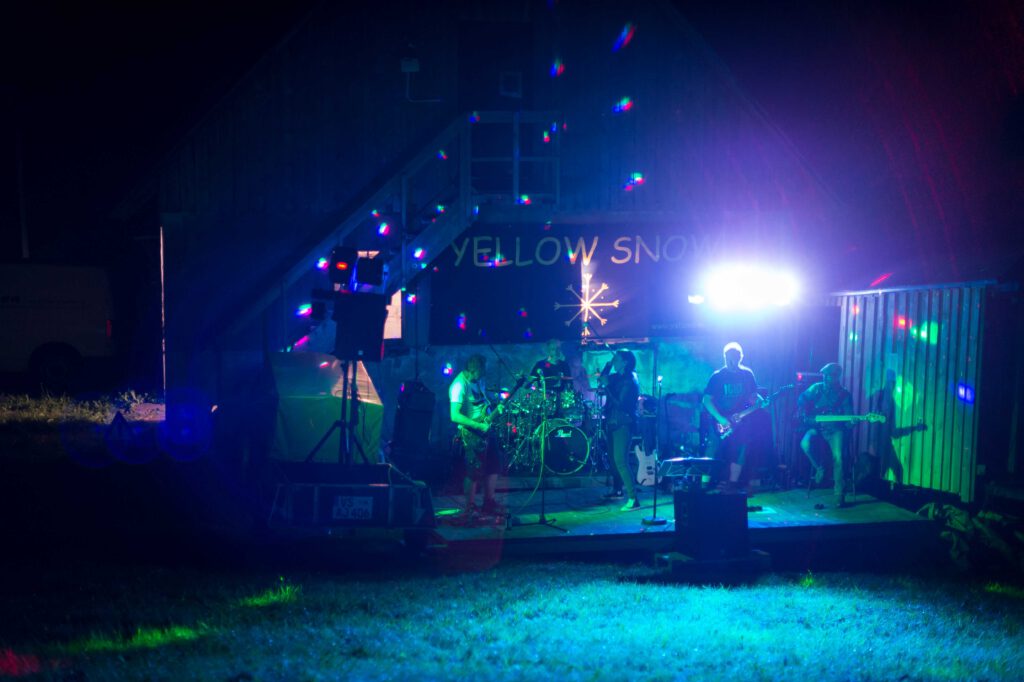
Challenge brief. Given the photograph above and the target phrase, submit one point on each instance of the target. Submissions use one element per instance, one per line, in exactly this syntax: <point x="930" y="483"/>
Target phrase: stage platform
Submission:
<point x="797" y="527"/>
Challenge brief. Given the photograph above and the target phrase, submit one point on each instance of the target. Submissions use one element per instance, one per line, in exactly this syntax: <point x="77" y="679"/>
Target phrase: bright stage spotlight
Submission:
<point x="749" y="287"/>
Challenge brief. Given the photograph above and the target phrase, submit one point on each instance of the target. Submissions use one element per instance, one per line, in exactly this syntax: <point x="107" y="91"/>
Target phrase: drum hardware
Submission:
<point x="542" y="519"/>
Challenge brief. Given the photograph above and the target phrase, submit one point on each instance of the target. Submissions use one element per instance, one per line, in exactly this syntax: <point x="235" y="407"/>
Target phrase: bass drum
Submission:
<point x="566" y="447"/>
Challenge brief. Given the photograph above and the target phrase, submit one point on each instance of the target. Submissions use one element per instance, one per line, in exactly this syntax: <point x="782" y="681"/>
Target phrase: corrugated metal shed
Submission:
<point x="914" y="355"/>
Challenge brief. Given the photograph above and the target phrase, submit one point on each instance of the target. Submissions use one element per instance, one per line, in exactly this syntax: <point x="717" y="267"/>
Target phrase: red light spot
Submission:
<point x="18" y="665"/>
<point x="880" y="279"/>
<point x="856" y="309"/>
<point x="901" y="322"/>
<point x="342" y="265"/>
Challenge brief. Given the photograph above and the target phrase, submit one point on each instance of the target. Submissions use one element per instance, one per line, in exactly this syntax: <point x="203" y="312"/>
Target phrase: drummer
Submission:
<point x="554" y="368"/>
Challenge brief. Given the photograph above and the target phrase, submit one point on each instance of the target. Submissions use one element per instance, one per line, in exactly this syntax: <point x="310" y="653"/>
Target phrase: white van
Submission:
<point x="52" y="318"/>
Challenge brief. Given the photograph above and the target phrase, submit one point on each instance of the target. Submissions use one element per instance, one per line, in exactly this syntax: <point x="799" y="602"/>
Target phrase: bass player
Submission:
<point x="468" y="411"/>
<point x="731" y="390"/>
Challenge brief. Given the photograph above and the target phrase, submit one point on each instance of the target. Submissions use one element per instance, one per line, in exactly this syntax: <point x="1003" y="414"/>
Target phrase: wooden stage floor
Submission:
<point x="795" y="526"/>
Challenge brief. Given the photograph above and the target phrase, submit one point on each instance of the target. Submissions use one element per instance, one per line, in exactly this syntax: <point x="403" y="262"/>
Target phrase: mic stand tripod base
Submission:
<point x="654" y="521"/>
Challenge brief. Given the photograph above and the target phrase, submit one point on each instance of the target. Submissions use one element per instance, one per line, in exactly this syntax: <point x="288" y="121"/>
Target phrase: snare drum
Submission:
<point x="566" y="447"/>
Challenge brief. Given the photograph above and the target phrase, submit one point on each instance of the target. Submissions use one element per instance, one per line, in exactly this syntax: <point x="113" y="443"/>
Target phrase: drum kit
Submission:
<point x="556" y="425"/>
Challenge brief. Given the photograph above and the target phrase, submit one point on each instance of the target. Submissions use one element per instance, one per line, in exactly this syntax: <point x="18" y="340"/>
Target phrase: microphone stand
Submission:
<point x="654" y="519"/>
<point x="599" y="435"/>
<point x="542" y="520"/>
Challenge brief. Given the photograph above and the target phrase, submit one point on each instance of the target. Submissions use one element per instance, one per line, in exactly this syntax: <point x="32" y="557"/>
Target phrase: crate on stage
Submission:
<point x="375" y="496"/>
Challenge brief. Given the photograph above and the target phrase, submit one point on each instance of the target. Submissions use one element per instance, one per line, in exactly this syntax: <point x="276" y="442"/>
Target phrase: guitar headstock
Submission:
<point x="874" y="418"/>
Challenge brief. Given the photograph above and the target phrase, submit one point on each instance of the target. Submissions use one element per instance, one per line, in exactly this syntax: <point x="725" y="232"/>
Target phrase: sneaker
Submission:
<point x="631" y="505"/>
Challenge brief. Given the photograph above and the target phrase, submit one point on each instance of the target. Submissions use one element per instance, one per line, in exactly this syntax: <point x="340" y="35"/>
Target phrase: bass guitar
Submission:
<point x="725" y="430"/>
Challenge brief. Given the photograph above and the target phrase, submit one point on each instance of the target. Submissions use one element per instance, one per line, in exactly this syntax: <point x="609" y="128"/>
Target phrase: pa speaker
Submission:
<point x="711" y="526"/>
<point x="359" y="333"/>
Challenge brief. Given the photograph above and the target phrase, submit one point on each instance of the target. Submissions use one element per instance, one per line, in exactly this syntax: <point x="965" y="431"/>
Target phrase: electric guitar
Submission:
<point x="647" y="466"/>
<point x="725" y="430"/>
<point x="475" y="440"/>
<point x="872" y="417"/>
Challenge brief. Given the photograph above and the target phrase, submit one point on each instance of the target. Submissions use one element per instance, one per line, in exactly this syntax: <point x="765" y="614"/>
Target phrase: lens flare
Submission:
<point x="625" y="37"/>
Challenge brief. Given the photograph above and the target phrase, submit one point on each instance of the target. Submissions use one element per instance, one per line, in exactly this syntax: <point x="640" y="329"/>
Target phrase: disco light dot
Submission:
<point x="410" y="298"/>
<point x="546" y="138"/>
<point x="557" y="68"/>
<point x="554" y="126"/>
<point x="441" y="208"/>
<point x="623" y="105"/>
<point x="322" y="263"/>
<point x="901" y="322"/>
<point x="522" y="312"/>
<point x="324" y="364"/>
<point x="383" y="229"/>
<point x="442" y="154"/>
<point x="476" y="209"/>
<point x="635" y="180"/>
<point x="524" y="199"/>
<point x="419" y="253"/>
<point x="528" y="334"/>
<point x="856" y="309"/>
<point x="375" y="213"/>
<point x="447" y="369"/>
<point x="474" y="117"/>
<point x="460" y="321"/>
<point x="625" y="37"/>
<point x="304" y="310"/>
<point x="301" y="342"/>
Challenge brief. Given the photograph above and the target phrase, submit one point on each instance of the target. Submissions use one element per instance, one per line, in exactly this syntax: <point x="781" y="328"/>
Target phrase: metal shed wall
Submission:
<point x="929" y="340"/>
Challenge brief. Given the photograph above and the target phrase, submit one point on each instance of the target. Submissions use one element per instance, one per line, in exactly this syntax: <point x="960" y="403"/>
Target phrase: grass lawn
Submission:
<point x="70" y="610"/>
<point x="512" y="621"/>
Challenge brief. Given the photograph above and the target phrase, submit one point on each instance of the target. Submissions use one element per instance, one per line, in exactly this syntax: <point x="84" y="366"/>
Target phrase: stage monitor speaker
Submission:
<point x="711" y="526"/>
<point x="359" y="332"/>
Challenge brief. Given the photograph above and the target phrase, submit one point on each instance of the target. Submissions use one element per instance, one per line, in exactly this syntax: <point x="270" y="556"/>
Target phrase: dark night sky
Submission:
<point x="910" y="112"/>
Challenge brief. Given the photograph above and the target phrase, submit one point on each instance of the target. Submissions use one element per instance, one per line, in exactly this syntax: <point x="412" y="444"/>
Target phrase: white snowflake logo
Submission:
<point x="587" y="305"/>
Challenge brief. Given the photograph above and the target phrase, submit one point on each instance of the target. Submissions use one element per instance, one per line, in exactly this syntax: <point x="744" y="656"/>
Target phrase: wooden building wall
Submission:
<point x="325" y="117"/>
<point x="928" y="341"/>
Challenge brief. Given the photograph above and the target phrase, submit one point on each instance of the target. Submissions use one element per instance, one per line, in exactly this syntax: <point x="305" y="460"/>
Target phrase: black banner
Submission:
<point x="514" y="283"/>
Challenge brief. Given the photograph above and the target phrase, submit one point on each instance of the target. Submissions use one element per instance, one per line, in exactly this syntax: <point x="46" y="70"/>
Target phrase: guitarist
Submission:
<point x="827" y="397"/>
<point x="731" y="390"/>
<point x="468" y="411"/>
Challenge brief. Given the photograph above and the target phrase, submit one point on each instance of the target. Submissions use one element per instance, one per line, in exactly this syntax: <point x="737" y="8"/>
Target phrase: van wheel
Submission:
<point x="55" y="367"/>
